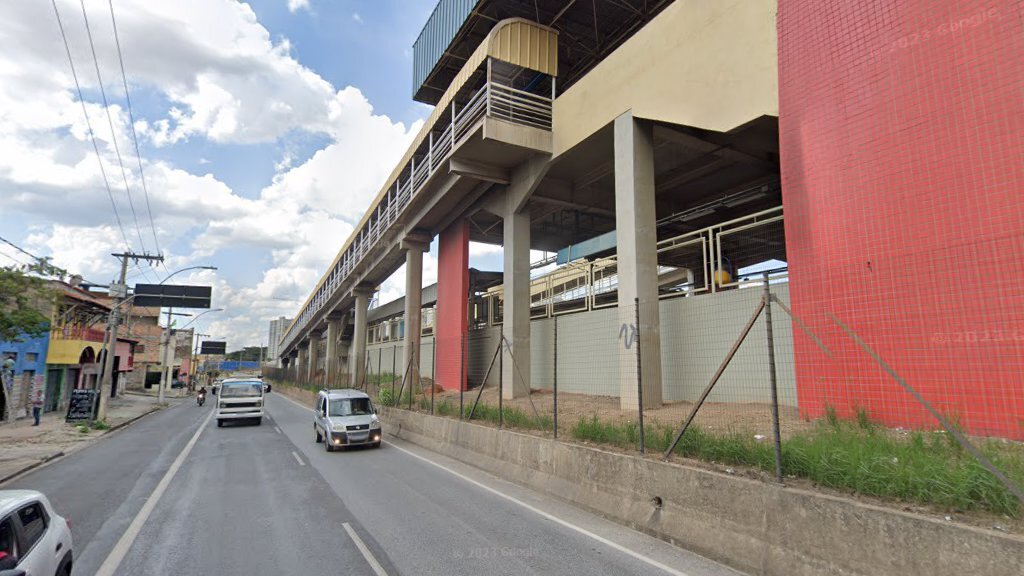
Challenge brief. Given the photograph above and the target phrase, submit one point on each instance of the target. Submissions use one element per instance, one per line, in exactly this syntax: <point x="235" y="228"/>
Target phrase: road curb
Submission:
<point x="57" y="455"/>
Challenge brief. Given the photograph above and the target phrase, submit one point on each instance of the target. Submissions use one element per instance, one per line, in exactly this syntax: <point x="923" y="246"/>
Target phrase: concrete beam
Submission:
<point x="636" y="232"/>
<point x="515" y="327"/>
<point x="414" y="247"/>
<point x="478" y="171"/>
<point x="357" y="359"/>
<point x="314" y="356"/>
<point x="525" y="179"/>
<point x="331" y="365"/>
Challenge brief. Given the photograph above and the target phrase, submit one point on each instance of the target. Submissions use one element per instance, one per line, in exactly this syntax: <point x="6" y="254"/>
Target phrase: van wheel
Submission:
<point x="319" y="438"/>
<point x="220" y="423"/>
<point x="327" y="446"/>
<point x="259" y="421"/>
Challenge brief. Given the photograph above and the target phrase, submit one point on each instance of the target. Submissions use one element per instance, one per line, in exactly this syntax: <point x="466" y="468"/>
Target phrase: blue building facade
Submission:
<point x="29" y="372"/>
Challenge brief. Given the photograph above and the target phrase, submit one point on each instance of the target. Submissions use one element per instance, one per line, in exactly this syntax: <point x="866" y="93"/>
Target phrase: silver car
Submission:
<point x="345" y="418"/>
<point x="34" y="540"/>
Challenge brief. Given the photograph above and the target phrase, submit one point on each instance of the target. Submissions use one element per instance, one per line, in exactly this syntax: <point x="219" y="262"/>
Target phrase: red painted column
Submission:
<point x="452" y="322"/>
<point x="902" y="140"/>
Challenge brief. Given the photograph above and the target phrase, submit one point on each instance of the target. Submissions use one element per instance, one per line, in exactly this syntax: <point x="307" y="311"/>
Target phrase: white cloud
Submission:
<point x="357" y="17"/>
<point x="296" y="5"/>
<point x="227" y="82"/>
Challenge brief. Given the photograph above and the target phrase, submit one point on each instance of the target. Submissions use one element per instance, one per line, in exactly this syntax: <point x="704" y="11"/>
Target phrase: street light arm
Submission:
<point x="185" y="270"/>
<point x="198" y="316"/>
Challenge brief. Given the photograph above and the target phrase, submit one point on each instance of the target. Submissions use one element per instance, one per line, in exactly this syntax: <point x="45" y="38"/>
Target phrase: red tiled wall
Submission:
<point x="452" y="311"/>
<point x="901" y="127"/>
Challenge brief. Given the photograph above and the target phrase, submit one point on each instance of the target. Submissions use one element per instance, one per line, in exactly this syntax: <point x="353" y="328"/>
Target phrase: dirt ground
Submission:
<point x="754" y="418"/>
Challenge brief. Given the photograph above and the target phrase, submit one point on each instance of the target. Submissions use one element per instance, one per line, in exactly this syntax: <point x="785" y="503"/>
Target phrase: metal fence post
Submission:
<point x="555" y="381"/>
<point x="433" y="371"/>
<point x="772" y="379"/>
<point x="639" y="374"/>
<point x="462" y="372"/>
<point x="394" y="371"/>
<point x="501" y="384"/>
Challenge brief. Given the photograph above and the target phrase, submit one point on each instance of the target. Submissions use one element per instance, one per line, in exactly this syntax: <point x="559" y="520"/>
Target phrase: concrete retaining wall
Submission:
<point x="755" y="527"/>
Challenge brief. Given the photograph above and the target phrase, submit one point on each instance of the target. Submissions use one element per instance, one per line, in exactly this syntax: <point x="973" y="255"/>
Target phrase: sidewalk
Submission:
<point x="24" y="446"/>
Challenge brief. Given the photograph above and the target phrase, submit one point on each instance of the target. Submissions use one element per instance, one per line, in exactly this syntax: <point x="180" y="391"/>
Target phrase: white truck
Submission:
<point x="240" y="399"/>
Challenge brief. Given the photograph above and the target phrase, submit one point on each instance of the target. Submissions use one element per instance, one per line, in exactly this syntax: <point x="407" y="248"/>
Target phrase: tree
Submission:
<point x="248" y="353"/>
<point x="24" y="297"/>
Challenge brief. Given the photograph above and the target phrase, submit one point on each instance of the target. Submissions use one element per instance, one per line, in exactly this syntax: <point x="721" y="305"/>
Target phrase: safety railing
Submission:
<point x="492" y="99"/>
<point x="694" y="263"/>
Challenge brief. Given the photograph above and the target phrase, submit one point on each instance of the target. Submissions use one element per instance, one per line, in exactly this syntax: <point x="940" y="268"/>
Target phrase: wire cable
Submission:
<point x="110" y="122"/>
<point x="88" y="124"/>
<point x="131" y="118"/>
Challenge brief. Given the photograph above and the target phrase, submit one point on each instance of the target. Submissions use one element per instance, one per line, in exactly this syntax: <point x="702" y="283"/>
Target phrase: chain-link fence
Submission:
<point x="713" y="377"/>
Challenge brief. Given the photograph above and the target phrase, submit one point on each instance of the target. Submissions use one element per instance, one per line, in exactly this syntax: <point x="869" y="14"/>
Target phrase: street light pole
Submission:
<point x="168" y="364"/>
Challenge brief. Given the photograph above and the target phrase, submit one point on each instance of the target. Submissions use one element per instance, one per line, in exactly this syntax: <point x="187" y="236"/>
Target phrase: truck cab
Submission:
<point x="240" y="399"/>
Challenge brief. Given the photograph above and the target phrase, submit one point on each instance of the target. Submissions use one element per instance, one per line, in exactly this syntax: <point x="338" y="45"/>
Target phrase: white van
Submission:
<point x="240" y="399"/>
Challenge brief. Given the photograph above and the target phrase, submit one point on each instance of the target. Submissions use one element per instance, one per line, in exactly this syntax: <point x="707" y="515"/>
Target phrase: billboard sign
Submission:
<point x="212" y="347"/>
<point x="172" y="296"/>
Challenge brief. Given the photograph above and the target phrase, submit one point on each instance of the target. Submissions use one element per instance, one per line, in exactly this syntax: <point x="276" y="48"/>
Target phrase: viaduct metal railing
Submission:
<point x="494" y="100"/>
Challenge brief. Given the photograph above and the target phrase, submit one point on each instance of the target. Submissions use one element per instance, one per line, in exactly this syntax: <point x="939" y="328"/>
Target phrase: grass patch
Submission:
<point x="99" y="425"/>
<point x="858" y="456"/>
<point x="513" y="417"/>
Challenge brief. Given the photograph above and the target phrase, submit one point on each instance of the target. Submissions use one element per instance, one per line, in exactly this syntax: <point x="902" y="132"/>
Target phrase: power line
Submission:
<point x="131" y="118"/>
<point x="2" y="253"/>
<point x="88" y="124"/>
<point x="38" y="259"/>
<point x="110" y="122"/>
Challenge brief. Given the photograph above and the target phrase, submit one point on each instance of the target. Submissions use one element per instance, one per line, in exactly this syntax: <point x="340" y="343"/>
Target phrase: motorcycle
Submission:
<point x="201" y="398"/>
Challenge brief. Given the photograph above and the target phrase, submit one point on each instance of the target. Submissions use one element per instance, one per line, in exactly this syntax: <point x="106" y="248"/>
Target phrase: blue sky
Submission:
<point x="264" y="131"/>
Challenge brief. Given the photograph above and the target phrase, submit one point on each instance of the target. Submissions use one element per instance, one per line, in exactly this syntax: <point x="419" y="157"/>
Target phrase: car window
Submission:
<point x="8" y="548"/>
<point x="350" y="407"/>
<point x="33" y="524"/>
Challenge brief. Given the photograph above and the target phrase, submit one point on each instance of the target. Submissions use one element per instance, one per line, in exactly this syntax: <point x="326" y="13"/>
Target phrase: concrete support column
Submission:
<point x="636" y="231"/>
<point x="314" y="356"/>
<point x="414" y="249"/>
<point x="331" y="361"/>
<point x="358" y="358"/>
<point x="515" y="327"/>
<point x="302" y="361"/>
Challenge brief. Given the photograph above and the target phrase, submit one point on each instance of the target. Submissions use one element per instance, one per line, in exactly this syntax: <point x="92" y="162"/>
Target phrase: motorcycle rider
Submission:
<point x="201" y="396"/>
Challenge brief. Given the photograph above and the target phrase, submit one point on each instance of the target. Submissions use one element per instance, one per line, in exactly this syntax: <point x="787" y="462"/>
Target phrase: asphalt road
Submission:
<point x="268" y="500"/>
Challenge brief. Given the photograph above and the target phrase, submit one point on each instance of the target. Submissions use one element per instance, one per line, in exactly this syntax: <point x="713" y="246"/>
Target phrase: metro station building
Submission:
<point x="867" y="157"/>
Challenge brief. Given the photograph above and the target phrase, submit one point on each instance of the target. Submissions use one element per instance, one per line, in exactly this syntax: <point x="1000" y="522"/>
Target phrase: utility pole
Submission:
<point x="119" y="291"/>
<point x="169" y="352"/>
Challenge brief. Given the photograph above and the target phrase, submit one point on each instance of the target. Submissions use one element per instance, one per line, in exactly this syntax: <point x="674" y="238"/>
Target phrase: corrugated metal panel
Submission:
<point x="526" y="44"/>
<point x="436" y="36"/>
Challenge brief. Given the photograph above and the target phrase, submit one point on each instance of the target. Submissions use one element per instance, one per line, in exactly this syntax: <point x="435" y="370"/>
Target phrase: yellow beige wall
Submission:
<point x="706" y="63"/>
<point x="69" y="351"/>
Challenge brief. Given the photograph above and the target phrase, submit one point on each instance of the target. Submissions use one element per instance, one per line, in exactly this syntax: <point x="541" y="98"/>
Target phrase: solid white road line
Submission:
<point x="297" y="459"/>
<point x="377" y="568"/>
<point x="554" y="519"/>
<point x="120" y="550"/>
<point x="276" y="429"/>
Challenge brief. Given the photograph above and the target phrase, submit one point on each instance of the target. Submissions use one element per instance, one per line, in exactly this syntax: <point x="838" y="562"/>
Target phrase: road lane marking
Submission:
<point x="120" y="550"/>
<point x="276" y="429"/>
<point x="553" y="518"/>
<point x="299" y="460"/>
<point x="377" y="568"/>
<point x="296" y="402"/>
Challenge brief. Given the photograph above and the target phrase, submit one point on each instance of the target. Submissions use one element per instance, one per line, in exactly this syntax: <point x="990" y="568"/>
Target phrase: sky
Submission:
<point x="263" y="131"/>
